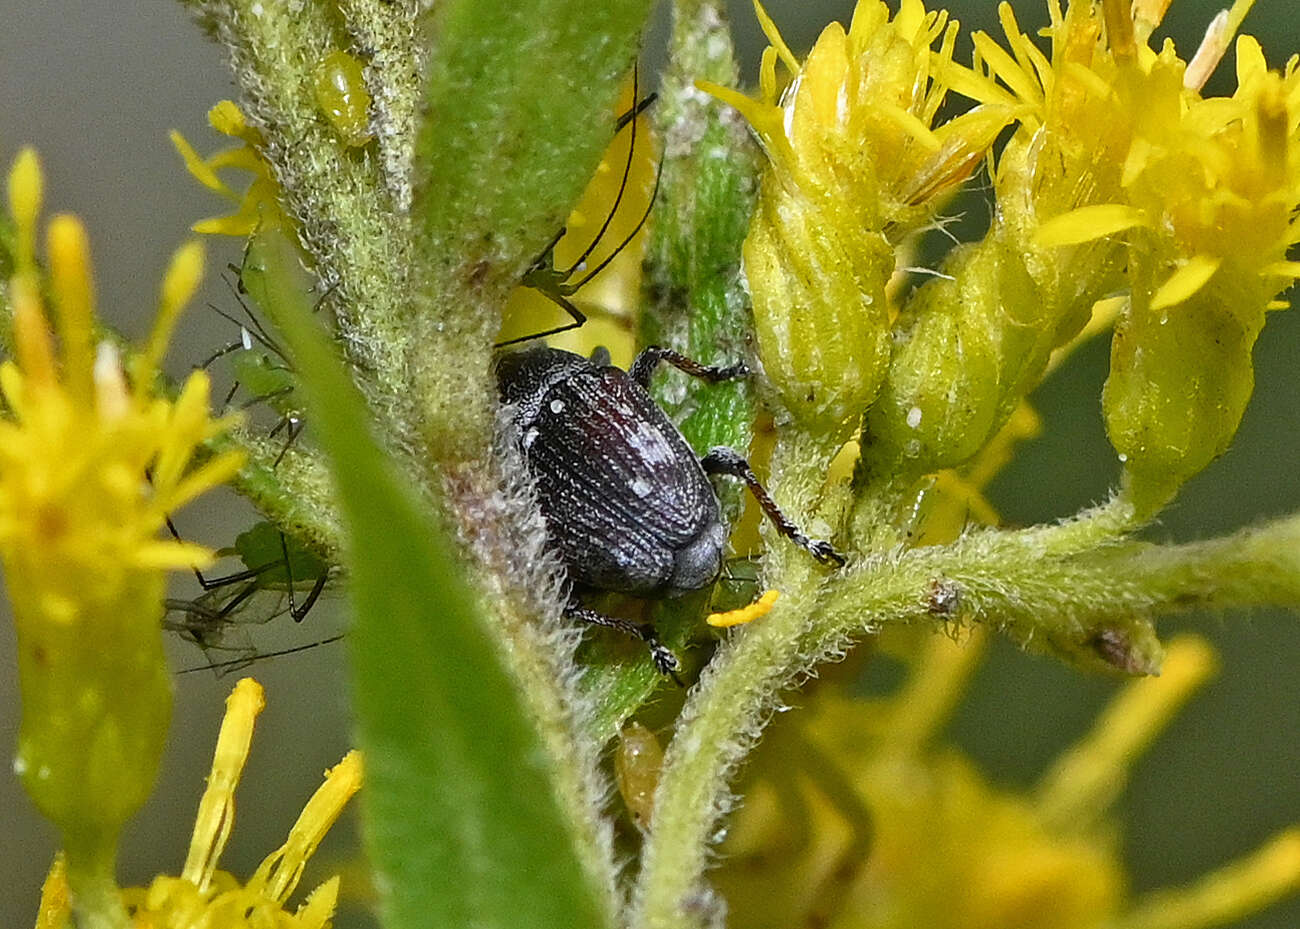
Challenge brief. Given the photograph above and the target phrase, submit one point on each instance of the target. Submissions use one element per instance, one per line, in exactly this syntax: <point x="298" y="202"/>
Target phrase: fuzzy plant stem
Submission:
<point x="347" y="221"/>
<point x="96" y="899"/>
<point x="1023" y="579"/>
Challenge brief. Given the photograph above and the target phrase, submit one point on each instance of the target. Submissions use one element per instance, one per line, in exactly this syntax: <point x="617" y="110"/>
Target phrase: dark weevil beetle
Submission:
<point x="628" y="504"/>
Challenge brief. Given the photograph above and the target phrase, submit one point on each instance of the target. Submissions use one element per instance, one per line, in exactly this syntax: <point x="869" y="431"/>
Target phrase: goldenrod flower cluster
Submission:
<point x="856" y="165"/>
<point x="1120" y="177"/>
<point x="92" y="459"/>
<point x="1123" y="176"/>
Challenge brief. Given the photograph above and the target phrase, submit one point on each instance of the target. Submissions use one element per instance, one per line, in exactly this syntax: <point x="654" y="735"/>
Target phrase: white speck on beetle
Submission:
<point x="914" y="417"/>
<point x="641" y="487"/>
<point x="557" y="406"/>
<point x="530" y="437"/>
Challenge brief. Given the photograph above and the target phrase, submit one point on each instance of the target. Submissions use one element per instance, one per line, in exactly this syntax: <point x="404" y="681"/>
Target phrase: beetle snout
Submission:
<point x="698" y="563"/>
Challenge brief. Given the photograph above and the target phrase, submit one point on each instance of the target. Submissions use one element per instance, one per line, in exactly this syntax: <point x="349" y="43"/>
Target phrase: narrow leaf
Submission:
<point x="462" y="826"/>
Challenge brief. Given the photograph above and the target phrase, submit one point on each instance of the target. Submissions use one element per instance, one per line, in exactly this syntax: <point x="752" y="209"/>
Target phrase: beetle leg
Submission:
<point x="660" y="654"/>
<point x="651" y="355"/>
<point x="723" y="460"/>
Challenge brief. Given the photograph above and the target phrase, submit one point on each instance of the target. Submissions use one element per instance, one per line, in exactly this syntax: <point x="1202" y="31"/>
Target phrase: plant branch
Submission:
<point x="1043" y="586"/>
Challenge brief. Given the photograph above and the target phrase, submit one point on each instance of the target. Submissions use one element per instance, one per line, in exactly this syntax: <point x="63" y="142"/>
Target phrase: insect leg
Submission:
<point x="576" y="315"/>
<point x="293" y="427"/>
<point x="722" y="460"/>
<point x="646" y="362"/>
<point x="244" y="662"/>
<point x="640" y="107"/>
<point x="613" y="210"/>
<point x="222" y="352"/>
<point x="575" y="286"/>
<point x="299" y="613"/>
<point x="660" y="654"/>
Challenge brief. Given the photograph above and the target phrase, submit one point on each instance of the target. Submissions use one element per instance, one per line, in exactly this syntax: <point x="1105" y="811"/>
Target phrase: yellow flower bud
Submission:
<point x="820" y="314"/>
<point x="856" y="167"/>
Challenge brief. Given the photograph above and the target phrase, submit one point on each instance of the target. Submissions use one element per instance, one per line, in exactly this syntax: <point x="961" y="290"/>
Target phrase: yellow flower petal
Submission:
<point x="55" y="910"/>
<point x="26" y="189"/>
<point x="74" y="298"/>
<point x="236" y="224"/>
<point x="178" y="286"/>
<point x="217" y="807"/>
<point x="1086" y="224"/>
<point x="1085" y="779"/>
<point x="746" y="614"/>
<point x="227" y="118"/>
<point x="198" y="168"/>
<point x="1185" y="282"/>
<point x="1232" y="892"/>
<point x="319" y="908"/>
<point x="278" y="874"/>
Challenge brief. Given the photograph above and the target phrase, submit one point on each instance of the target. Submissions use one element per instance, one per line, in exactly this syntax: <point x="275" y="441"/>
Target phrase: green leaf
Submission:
<point x="462" y="826"/>
<point x="519" y="106"/>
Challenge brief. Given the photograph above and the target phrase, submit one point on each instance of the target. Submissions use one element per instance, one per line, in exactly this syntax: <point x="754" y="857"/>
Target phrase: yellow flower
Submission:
<point x="204" y="896"/>
<point x="865" y="821"/>
<point x="92" y="460"/>
<point x="1123" y="175"/>
<point x="856" y="122"/>
<point x="259" y="204"/>
<point x="856" y="166"/>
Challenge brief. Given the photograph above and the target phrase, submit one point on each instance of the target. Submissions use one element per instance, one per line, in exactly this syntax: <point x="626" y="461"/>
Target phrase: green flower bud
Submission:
<point x="938" y="405"/>
<point x="1179" y="383"/>
<point x="819" y="309"/>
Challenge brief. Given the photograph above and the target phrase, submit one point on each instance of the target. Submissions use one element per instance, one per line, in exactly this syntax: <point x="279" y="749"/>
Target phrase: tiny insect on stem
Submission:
<point x="554" y="283"/>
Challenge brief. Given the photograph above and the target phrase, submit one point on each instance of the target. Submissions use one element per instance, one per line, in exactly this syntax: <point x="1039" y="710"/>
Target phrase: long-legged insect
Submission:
<point x="274" y="564"/>
<point x="558" y="284"/>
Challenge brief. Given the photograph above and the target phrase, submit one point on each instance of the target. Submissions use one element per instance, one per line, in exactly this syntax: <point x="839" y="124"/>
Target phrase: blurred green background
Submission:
<point x="96" y="87"/>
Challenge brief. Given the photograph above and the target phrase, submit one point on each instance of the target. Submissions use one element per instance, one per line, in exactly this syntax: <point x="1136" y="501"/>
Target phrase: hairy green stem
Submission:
<point x="388" y="33"/>
<point x="346" y="219"/>
<point x="291" y="487"/>
<point x="726" y="711"/>
<point x="96" y="899"/>
<point x="1088" y="600"/>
